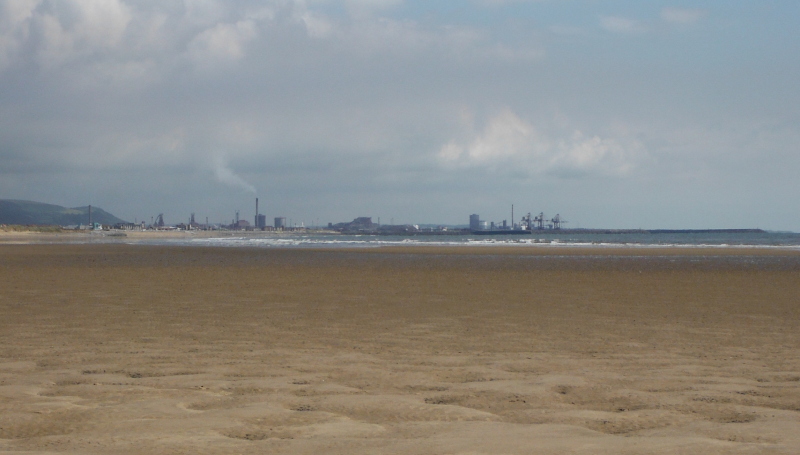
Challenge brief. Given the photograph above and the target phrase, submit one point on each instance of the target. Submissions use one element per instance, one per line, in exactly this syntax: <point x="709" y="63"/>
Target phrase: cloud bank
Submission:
<point x="417" y="111"/>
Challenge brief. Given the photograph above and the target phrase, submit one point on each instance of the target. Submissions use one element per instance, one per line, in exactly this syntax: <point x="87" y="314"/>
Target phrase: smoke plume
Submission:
<point x="224" y="174"/>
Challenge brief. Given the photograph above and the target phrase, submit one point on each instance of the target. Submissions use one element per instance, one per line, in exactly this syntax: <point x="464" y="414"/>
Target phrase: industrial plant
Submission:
<point x="364" y="225"/>
<point x="237" y="224"/>
<point x="361" y="225"/>
<point x="30" y="213"/>
<point x="528" y="223"/>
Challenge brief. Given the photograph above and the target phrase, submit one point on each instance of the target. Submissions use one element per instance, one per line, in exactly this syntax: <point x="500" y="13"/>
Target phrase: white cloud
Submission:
<point x="682" y="16"/>
<point x="510" y="144"/>
<point x="222" y="42"/>
<point x="16" y="11"/>
<point x="14" y="27"/>
<point x="361" y="8"/>
<point x="505" y="136"/>
<point x="62" y="30"/>
<point x="73" y="28"/>
<point x="317" y="25"/>
<point x="618" y="24"/>
<point x="204" y="12"/>
<point x="151" y="39"/>
<point x="373" y="4"/>
<point x="580" y="154"/>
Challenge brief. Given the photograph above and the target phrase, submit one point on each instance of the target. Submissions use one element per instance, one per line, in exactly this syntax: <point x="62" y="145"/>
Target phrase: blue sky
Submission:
<point x="618" y="114"/>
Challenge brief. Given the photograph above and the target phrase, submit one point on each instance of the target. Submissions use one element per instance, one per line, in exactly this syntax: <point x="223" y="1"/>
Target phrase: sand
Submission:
<point x="119" y="349"/>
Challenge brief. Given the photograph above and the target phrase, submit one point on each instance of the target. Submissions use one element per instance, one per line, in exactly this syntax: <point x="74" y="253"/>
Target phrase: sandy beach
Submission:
<point x="126" y="349"/>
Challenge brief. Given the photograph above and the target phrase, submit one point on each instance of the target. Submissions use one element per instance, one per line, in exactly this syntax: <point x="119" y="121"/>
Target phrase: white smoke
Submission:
<point x="224" y="174"/>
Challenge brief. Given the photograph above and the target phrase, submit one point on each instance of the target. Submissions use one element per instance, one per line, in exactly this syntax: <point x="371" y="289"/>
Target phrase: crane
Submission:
<point x="556" y="222"/>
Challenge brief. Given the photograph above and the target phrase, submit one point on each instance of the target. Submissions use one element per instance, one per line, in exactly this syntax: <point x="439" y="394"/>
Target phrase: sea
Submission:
<point x="778" y="240"/>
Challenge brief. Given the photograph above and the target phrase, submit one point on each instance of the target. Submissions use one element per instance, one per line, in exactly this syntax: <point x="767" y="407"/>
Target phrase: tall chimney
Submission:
<point x="256" y="223"/>
<point x="91" y="226"/>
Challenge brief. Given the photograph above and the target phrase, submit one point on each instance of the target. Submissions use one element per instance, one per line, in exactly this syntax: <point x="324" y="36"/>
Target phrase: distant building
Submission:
<point x="125" y="226"/>
<point x="280" y="222"/>
<point x="261" y="221"/>
<point x="474" y="222"/>
<point x="360" y="224"/>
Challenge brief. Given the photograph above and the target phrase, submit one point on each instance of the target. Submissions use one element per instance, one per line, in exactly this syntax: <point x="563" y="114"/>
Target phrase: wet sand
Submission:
<point x="119" y="349"/>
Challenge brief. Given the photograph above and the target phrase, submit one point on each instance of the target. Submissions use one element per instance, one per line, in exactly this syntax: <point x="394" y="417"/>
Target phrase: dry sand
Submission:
<point x="115" y="349"/>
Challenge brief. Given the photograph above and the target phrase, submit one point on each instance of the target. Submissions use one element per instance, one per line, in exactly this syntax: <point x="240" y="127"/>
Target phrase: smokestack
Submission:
<point x="90" y="218"/>
<point x="256" y="223"/>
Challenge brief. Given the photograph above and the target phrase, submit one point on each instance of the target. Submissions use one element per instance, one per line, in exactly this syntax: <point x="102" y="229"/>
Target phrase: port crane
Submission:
<point x="526" y="222"/>
<point x="539" y="222"/>
<point x="556" y="222"/>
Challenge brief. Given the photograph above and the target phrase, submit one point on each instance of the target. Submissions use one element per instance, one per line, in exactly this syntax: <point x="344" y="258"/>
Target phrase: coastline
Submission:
<point x="564" y="243"/>
<point x="66" y="235"/>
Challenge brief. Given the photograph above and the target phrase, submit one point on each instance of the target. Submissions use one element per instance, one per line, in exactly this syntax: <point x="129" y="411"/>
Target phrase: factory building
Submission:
<point x="474" y="222"/>
<point x="280" y="222"/>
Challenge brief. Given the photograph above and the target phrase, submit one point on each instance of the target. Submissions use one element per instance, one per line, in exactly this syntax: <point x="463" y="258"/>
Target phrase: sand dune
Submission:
<point x="133" y="349"/>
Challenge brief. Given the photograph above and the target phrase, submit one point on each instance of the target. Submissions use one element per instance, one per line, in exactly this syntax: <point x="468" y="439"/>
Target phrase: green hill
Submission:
<point x="29" y="212"/>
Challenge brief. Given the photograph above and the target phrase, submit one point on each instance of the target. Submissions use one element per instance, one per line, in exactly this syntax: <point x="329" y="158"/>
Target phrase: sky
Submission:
<point x="613" y="114"/>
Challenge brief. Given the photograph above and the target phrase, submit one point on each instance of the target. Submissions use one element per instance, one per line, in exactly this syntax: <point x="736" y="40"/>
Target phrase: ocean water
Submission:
<point x="777" y="240"/>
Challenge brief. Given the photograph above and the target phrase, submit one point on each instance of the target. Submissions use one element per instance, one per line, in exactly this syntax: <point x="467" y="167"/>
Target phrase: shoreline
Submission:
<point x="489" y="246"/>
